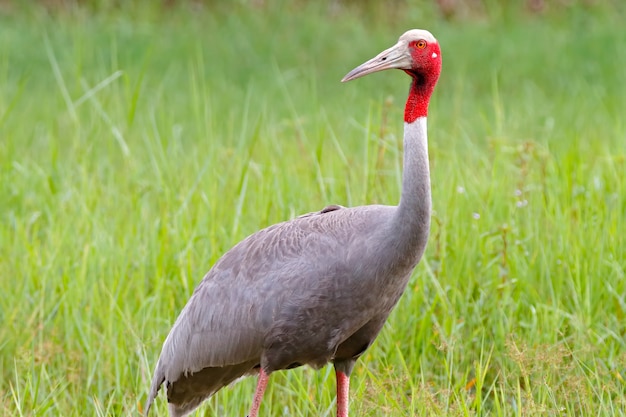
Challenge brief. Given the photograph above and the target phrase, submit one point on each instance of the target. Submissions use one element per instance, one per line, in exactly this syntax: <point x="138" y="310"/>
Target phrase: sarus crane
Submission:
<point x="315" y="289"/>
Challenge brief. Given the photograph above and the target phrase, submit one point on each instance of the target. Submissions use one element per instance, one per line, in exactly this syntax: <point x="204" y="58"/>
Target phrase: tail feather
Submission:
<point x="157" y="381"/>
<point x="187" y="392"/>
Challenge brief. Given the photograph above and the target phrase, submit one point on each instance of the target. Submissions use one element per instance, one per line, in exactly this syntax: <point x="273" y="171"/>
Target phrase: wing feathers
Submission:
<point x="228" y="317"/>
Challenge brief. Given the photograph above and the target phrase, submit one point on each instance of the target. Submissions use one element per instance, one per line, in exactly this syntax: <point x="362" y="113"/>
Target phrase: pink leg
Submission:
<point x="343" y="391"/>
<point x="258" y="394"/>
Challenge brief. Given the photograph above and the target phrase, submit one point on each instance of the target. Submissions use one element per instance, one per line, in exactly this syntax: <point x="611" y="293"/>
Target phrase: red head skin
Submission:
<point x="425" y="73"/>
<point x="418" y="54"/>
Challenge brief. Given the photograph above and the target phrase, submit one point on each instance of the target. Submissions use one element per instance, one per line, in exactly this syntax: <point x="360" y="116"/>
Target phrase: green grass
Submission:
<point x="136" y="148"/>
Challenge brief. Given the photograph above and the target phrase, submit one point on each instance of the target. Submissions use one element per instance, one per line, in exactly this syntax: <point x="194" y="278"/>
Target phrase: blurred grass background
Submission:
<point x="140" y="141"/>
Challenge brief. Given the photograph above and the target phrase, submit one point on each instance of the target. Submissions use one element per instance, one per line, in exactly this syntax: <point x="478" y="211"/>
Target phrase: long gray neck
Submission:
<point x="412" y="219"/>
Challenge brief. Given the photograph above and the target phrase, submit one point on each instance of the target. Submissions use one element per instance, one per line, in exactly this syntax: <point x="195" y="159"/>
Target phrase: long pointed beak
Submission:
<point x="395" y="57"/>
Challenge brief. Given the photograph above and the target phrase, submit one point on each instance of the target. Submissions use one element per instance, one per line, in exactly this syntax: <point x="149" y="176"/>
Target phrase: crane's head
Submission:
<point x="417" y="53"/>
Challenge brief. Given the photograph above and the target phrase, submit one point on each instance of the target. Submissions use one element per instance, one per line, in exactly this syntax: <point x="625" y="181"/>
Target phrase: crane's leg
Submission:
<point x="343" y="391"/>
<point x="258" y="394"/>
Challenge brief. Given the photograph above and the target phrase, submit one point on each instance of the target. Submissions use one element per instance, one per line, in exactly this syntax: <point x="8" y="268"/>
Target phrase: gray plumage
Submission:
<point x="308" y="291"/>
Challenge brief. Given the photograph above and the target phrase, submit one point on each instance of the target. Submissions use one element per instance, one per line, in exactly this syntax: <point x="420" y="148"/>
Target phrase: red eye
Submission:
<point x="421" y="44"/>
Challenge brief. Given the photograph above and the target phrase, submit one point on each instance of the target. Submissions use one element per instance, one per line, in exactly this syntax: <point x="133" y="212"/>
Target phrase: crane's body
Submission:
<point x="309" y="291"/>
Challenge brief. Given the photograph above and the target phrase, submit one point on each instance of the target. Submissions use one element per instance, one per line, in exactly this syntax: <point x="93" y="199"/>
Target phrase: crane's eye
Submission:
<point x="421" y="44"/>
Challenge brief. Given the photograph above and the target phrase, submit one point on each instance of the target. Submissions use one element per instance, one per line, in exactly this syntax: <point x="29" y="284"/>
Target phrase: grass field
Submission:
<point x="137" y="146"/>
